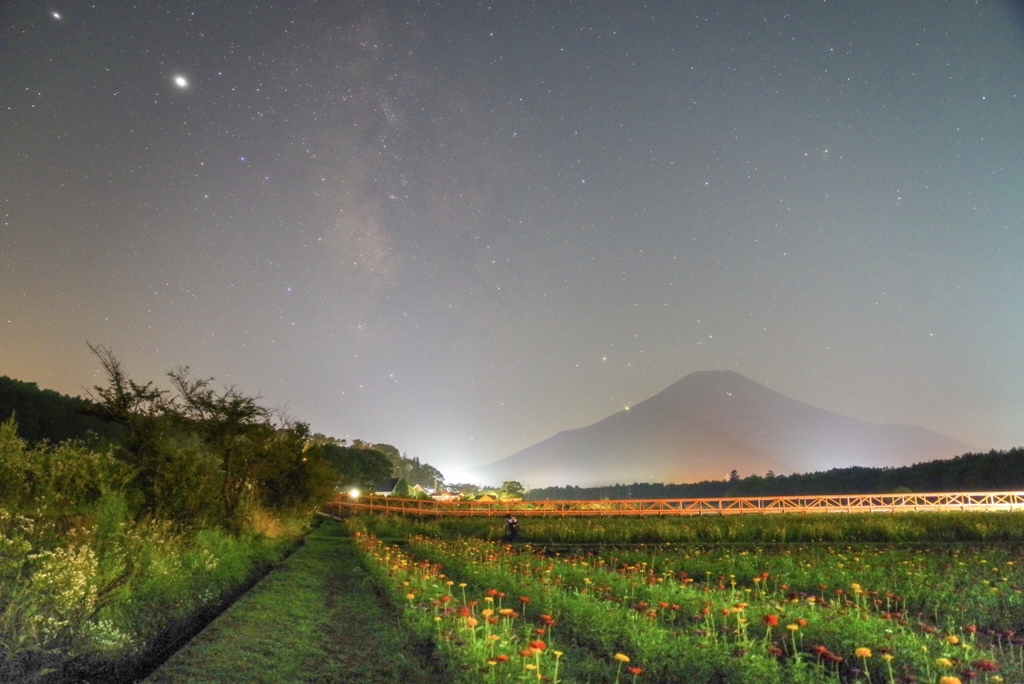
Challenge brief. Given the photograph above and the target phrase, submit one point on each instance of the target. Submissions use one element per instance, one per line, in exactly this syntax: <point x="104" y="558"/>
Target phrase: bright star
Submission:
<point x="181" y="81"/>
<point x="55" y="15"/>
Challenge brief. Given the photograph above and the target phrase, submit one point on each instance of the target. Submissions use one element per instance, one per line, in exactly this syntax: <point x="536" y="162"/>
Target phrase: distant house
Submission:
<point x="485" y="497"/>
<point x="387" y="487"/>
<point x="443" y="495"/>
<point x="417" y="492"/>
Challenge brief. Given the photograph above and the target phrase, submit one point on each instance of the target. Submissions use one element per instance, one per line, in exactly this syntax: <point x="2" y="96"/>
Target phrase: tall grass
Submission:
<point x="104" y="592"/>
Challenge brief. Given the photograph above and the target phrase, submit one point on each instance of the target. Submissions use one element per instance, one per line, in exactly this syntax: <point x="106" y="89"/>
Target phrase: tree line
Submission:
<point x="992" y="471"/>
<point x="195" y="454"/>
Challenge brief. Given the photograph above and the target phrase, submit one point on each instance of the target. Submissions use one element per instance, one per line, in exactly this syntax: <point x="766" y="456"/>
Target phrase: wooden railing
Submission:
<point x="834" y="503"/>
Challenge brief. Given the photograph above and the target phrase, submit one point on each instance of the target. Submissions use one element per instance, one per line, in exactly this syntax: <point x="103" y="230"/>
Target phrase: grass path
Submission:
<point x="315" y="618"/>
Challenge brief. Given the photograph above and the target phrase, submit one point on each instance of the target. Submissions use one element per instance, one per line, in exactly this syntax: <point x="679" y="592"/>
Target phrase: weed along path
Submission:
<point x="315" y="618"/>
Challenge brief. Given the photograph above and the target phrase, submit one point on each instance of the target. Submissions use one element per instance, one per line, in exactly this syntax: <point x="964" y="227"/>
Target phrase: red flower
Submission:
<point x="538" y="645"/>
<point x="771" y="620"/>
<point x="635" y="671"/>
<point x="985" y="665"/>
<point x="524" y="599"/>
<point x="526" y="653"/>
<point x="502" y="658"/>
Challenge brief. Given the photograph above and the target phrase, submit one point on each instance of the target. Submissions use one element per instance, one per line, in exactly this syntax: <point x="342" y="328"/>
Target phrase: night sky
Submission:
<point x="461" y="228"/>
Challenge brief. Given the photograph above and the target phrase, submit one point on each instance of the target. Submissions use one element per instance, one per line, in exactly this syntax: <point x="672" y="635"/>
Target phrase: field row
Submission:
<point x="701" y="614"/>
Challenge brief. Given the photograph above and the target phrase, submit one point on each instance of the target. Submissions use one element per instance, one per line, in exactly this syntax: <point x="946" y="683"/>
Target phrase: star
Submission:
<point x="180" y="81"/>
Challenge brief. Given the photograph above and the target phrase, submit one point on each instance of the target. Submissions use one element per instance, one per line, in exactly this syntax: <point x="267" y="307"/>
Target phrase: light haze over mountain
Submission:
<point x="708" y="424"/>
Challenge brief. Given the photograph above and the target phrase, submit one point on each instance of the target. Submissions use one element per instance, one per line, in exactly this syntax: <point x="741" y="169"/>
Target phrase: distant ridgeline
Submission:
<point x="994" y="471"/>
<point x="45" y="414"/>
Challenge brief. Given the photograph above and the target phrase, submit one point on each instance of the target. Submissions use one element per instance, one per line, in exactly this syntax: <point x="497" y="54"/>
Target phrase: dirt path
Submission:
<point x="316" y="618"/>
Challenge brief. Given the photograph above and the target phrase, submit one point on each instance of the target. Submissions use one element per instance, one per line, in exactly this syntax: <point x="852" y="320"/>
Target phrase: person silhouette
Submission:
<point x="511" y="527"/>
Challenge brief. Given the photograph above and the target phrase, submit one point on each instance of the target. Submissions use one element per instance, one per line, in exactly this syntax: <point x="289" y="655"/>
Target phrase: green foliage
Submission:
<point x="104" y="550"/>
<point x="965" y="527"/>
<point x="54" y="480"/>
<point x="43" y="414"/>
<point x="411" y="469"/>
<point x="512" y="489"/>
<point x="297" y="626"/>
<point x="357" y="466"/>
<point x="206" y="456"/>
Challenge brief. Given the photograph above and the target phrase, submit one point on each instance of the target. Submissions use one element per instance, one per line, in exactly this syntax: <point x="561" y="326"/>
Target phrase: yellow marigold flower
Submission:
<point x="471" y="622"/>
<point x="410" y="596"/>
<point x="887" y="657"/>
<point x="487" y="612"/>
<point x="950" y="680"/>
<point x="952" y="640"/>
<point x="792" y="627"/>
<point x="622" y="657"/>
<point x="558" y="654"/>
<point x="855" y="586"/>
<point x="862" y="652"/>
<point x="944" y="662"/>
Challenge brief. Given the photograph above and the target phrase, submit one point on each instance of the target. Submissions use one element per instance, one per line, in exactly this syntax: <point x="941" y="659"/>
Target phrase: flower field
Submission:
<point x="697" y="612"/>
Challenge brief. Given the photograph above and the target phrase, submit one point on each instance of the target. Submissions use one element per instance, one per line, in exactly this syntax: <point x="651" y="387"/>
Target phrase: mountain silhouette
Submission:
<point x="708" y="424"/>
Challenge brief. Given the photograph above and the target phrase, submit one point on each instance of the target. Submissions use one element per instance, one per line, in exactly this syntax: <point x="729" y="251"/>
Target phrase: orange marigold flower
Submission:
<point x="862" y="652"/>
<point x="950" y="680"/>
<point x="538" y="645"/>
<point x="501" y="658"/>
<point x="526" y="653"/>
